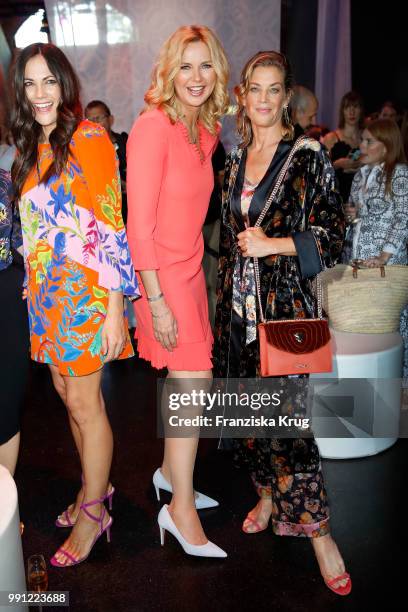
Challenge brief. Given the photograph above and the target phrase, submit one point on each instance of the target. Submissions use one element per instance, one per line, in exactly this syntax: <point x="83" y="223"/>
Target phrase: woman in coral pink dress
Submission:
<point x="170" y="179"/>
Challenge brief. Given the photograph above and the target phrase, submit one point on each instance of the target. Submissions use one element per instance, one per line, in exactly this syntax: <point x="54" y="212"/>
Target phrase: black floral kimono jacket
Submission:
<point x="308" y="208"/>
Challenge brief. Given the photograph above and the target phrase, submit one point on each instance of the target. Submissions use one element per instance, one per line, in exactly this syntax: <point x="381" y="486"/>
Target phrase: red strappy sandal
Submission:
<point x="340" y="590"/>
<point x="255" y="523"/>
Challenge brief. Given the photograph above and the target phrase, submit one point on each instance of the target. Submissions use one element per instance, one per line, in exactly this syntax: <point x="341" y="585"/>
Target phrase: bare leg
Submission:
<point x="86" y="406"/>
<point x="59" y="384"/>
<point x="330" y="561"/>
<point x="178" y="467"/>
<point x="9" y="453"/>
<point x="260" y="516"/>
<point x="165" y="468"/>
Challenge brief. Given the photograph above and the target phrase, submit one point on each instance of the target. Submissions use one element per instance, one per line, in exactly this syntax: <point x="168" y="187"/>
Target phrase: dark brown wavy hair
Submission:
<point x="25" y="129"/>
<point x="263" y="58"/>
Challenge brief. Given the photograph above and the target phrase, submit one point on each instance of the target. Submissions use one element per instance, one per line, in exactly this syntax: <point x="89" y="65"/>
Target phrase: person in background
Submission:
<point x="170" y="180"/>
<point x="343" y="144"/>
<point x="388" y="111"/>
<point x="371" y="117"/>
<point x="14" y="344"/>
<point x="317" y="132"/>
<point x="300" y="234"/>
<point x="404" y="131"/>
<point x="303" y="109"/>
<point x="379" y="201"/>
<point x="78" y="268"/>
<point x="211" y="229"/>
<point x="218" y="164"/>
<point x="7" y="151"/>
<point x="99" y="112"/>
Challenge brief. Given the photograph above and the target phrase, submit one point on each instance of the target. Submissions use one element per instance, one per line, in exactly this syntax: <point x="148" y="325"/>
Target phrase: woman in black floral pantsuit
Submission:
<point x="300" y="235"/>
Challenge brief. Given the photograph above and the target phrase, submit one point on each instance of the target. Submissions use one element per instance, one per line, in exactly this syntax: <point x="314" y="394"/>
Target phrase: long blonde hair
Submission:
<point x="161" y="93"/>
<point x="262" y="58"/>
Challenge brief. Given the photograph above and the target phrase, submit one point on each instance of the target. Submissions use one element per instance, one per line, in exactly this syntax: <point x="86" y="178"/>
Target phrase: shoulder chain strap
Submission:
<point x="298" y="144"/>
<point x="279" y="180"/>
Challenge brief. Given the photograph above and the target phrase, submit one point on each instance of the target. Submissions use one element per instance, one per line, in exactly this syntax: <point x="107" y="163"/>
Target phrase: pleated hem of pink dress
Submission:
<point x="191" y="357"/>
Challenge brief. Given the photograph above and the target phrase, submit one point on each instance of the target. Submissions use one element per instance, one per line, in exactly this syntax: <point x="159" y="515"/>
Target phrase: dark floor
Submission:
<point x="262" y="572"/>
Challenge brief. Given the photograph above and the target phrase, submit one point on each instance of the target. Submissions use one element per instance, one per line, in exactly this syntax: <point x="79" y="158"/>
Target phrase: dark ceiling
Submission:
<point x="19" y="8"/>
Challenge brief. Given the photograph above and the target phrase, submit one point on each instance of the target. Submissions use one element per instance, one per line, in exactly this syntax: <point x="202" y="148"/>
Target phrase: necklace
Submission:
<point x="192" y="135"/>
<point x="191" y="130"/>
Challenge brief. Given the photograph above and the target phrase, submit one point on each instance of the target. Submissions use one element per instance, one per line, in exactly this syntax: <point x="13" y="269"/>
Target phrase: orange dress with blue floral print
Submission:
<point x="75" y="252"/>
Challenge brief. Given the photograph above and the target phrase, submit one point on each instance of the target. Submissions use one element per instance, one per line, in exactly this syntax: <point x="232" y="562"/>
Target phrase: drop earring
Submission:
<point x="243" y="119"/>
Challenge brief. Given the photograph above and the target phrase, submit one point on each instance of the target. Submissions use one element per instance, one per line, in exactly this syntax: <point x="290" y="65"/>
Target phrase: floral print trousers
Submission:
<point x="286" y="469"/>
<point x="289" y="471"/>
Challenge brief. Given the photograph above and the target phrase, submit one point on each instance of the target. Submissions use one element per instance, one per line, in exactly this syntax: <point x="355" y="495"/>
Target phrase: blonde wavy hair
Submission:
<point x="262" y="58"/>
<point x="161" y="93"/>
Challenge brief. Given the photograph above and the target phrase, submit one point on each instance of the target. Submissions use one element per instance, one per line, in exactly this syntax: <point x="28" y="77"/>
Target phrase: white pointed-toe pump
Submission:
<point x="166" y="523"/>
<point x="201" y="501"/>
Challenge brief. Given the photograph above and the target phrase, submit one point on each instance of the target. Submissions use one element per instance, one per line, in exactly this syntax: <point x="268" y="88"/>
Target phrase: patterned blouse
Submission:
<point x="242" y="302"/>
<point x="383" y="218"/>
<point x="10" y="229"/>
<point x="75" y="251"/>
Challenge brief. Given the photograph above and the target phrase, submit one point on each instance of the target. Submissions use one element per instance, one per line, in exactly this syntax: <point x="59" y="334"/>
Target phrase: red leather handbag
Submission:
<point x="300" y="346"/>
<point x="292" y="346"/>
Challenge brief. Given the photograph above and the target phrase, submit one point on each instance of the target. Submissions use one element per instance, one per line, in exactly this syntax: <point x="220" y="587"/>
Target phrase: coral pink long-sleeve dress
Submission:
<point x="169" y="188"/>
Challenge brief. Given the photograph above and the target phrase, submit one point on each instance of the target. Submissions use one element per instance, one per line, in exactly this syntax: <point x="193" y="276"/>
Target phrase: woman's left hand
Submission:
<point x="113" y="331"/>
<point x="254" y="243"/>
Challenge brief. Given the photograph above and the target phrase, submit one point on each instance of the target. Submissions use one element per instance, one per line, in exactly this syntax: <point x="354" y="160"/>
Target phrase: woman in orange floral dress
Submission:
<point x="78" y="268"/>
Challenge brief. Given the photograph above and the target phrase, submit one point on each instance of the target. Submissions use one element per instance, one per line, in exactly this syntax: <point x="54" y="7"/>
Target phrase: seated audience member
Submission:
<point x="378" y="207"/>
<point x="343" y="144"/>
<point x="318" y="132"/>
<point x="99" y="112"/>
<point x="404" y="132"/>
<point x="369" y="118"/>
<point x="303" y="109"/>
<point x="388" y="111"/>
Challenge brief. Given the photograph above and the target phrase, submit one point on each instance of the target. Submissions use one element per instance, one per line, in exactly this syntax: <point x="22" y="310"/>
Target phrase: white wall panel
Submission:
<point x="113" y="45"/>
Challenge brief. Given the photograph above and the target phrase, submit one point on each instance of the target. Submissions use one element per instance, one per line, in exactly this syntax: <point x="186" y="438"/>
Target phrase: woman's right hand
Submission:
<point x="164" y="325"/>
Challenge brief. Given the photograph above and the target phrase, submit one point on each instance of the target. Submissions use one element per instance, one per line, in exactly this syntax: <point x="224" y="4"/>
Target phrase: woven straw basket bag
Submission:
<point x="365" y="300"/>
